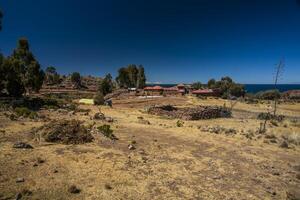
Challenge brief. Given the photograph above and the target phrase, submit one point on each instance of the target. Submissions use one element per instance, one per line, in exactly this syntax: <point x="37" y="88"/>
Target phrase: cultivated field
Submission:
<point x="224" y="158"/>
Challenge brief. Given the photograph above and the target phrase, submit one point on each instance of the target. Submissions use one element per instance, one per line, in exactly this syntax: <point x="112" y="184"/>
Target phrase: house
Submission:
<point x="156" y="90"/>
<point x="181" y="89"/>
<point x="171" y="91"/>
<point x="206" y="92"/>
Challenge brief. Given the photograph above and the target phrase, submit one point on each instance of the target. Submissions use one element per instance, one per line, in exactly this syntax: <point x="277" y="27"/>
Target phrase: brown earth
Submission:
<point x="169" y="162"/>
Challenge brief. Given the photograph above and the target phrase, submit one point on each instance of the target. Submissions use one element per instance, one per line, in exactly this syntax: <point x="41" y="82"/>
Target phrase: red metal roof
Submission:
<point x="171" y="89"/>
<point x="204" y="91"/>
<point x="153" y="88"/>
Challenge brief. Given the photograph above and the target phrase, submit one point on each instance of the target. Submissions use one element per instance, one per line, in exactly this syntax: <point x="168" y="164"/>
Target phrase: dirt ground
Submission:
<point x="169" y="162"/>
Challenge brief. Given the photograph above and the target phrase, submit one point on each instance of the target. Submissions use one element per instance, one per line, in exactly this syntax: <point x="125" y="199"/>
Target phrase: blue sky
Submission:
<point x="176" y="41"/>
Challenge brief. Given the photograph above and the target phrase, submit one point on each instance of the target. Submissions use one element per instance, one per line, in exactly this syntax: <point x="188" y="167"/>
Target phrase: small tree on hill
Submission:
<point x="76" y="79"/>
<point x="106" y="85"/>
<point x="51" y="76"/>
<point x="211" y="83"/>
<point x="197" y="85"/>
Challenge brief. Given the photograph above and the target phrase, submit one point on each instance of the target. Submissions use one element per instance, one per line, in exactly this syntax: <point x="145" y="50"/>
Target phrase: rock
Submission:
<point x="74" y="190"/>
<point x="18" y="196"/>
<point x="40" y="160"/>
<point x="284" y="144"/>
<point x="143" y="121"/>
<point x="293" y="194"/>
<point x="99" y="116"/>
<point x="109" y="119"/>
<point x="20" y="180"/>
<point x="107" y="186"/>
<point x="273" y="141"/>
<point x="22" y="145"/>
<point x="131" y="147"/>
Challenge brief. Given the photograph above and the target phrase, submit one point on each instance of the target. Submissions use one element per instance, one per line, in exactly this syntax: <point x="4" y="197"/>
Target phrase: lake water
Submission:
<point x="254" y="88"/>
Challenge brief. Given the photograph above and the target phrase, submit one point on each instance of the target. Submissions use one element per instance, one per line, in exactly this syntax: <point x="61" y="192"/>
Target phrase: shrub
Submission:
<point x="269" y="116"/>
<point x="66" y="132"/>
<point x="25" y="112"/>
<point x="107" y="132"/>
<point x="99" y="99"/>
<point x="179" y="123"/>
<point x="268" y="95"/>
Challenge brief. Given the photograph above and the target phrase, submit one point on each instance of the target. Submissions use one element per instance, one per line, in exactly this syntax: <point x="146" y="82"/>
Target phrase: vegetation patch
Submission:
<point x="25" y="112"/>
<point x="107" y="131"/>
<point x="269" y="116"/>
<point x="196" y="113"/>
<point x="65" y="132"/>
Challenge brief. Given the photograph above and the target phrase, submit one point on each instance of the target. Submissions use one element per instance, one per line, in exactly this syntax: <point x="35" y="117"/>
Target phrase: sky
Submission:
<point x="175" y="40"/>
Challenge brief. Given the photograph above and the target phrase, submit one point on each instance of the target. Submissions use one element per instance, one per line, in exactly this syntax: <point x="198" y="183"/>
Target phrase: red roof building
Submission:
<point x="206" y="92"/>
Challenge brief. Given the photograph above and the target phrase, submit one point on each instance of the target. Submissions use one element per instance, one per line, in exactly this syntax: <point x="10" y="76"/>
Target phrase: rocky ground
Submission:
<point x="149" y="156"/>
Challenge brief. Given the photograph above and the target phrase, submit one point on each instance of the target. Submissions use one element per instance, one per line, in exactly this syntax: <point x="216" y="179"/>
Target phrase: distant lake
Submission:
<point x="253" y="88"/>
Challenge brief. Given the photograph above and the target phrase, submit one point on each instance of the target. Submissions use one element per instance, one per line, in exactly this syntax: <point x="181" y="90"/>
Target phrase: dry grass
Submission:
<point x="169" y="162"/>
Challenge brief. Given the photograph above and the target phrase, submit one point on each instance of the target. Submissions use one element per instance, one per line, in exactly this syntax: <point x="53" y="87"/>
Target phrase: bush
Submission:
<point x="66" y="132"/>
<point x="25" y="112"/>
<point x="269" y="116"/>
<point x="99" y="99"/>
<point x="107" y="132"/>
<point x="179" y="123"/>
<point x="268" y="95"/>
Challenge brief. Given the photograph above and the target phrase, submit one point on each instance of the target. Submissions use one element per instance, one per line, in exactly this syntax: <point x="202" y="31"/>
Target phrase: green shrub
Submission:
<point x="25" y="112"/>
<point x="269" y="116"/>
<point x="99" y="99"/>
<point x="179" y="123"/>
<point x="107" y="132"/>
<point x="268" y="95"/>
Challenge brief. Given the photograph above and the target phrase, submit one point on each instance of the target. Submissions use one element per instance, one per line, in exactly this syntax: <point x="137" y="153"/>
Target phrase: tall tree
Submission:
<point x="27" y="66"/>
<point x="131" y="76"/>
<point x="141" y="78"/>
<point x="12" y="80"/>
<point x="123" y="78"/>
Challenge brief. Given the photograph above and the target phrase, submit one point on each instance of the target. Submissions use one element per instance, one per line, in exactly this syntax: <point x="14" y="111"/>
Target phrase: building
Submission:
<point x="171" y="91"/>
<point x="206" y="92"/>
<point x="156" y="90"/>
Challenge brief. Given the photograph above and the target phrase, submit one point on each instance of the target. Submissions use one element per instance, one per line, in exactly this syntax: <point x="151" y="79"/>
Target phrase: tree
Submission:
<point x="12" y="80"/>
<point x="141" y="79"/>
<point x="197" y="85"/>
<point x="106" y="85"/>
<point x="51" y="76"/>
<point x="237" y="90"/>
<point x="27" y="66"/>
<point x="123" y="78"/>
<point x="131" y="76"/>
<point x="211" y="83"/>
<point x="76" y="79"/>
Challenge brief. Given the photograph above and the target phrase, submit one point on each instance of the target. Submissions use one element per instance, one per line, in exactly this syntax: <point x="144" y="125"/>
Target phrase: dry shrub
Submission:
<point x="292" y="138"/>
<point x="65" y="132"/>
